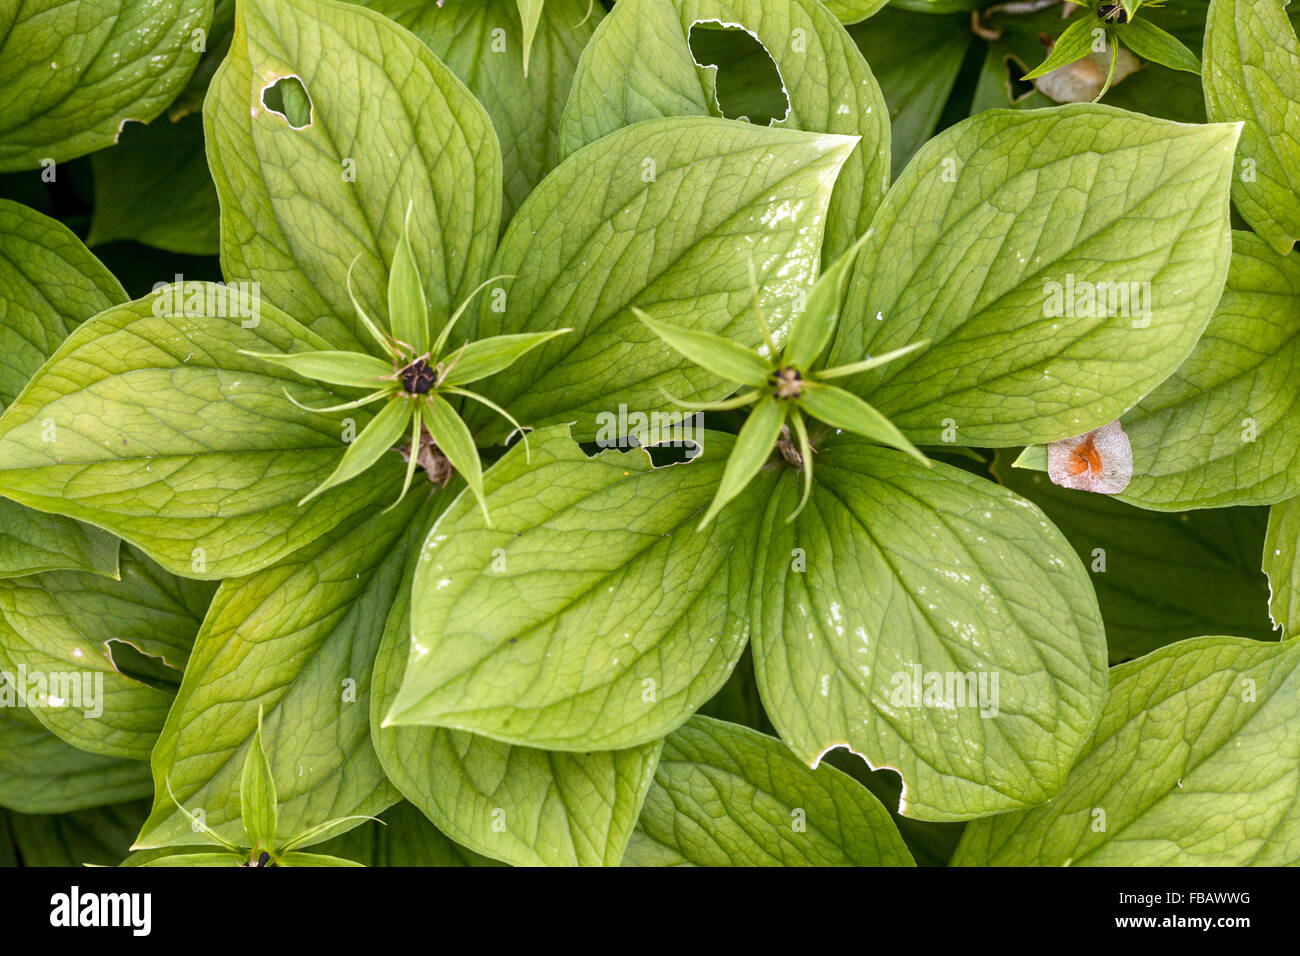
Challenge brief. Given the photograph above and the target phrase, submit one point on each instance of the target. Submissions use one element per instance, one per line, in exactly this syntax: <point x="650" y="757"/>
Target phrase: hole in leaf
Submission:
<point x="130" y="661"/>
<point x="679" y="453"/>
<point x="747" y="83"/>
<point x="288" y="98"/>
<point x="1017" y="89"/>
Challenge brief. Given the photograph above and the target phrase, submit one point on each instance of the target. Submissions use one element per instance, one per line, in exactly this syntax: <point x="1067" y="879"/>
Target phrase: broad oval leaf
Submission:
<point x="994" y="242"/>
<point x="1252" y="74"/>
<point x="524" y="806"/>
<point x="665" y="215"/>
<point x="297" y="640"/>
<point x="935" y="607"/>
<point x="67" y="634"/>
<point x="725" y="795"/>
<point x="158" y="428"/>
<point x="639" y="66"/>
<point x="73" y="72"/>
<point x="39" y="773"/>
<point x="1192" y="764"/>
<point x="388" y="125"/>
<point x="591" y="615"/>
<point x="1224" y="429"/>
<point x="1282" y="565"/>
<point x="525" y="109"/>
<point x="50" y="283"/>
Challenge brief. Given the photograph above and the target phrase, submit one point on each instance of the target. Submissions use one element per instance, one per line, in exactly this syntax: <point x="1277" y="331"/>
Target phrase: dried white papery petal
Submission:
<point x="1100" y="461"/>
<point x="1082" y="80"/>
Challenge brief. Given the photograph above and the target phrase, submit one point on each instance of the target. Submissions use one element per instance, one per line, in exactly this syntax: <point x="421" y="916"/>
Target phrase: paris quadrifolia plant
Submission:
<point x="784" y="384"/>
<point x="417" y="380"/>
<point x="258" y="805"/>
<point x="1103" y="26"/>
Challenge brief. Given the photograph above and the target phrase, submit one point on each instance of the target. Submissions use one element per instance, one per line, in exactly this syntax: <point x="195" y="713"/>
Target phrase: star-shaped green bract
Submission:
<point x="1116" y="18"/>
<point x="784" y="388"/>
<point x="413" y="378"/>
<point x="259" y="810"/>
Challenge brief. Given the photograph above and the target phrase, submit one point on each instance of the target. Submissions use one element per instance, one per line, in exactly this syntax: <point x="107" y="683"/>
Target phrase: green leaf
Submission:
<point x="297" y="641"/>
<point x="839" y="409"/>
<point x="1252" y="74"/>
<point x="1282" y="565"/>
<point x="893" y="568"/>
<point x="478" y="360"/>
<point x="375" y="440"/>
<point x="73" y="72"/>
<point x="995" y="223"/>
<point x="354" y="369"/>
<point x="915" y="57"/>
<point x="530" y="12"/>
<point x="1225" y="427"/>
<point x="725" y="795"/>
<point x="1159" y="578"/>
<point x="454" y="440"/>
<point x="1152" y="43"/>
<point x="525" y="110"/>
<point x="853" y="11"/>
<point x="51" y="283"/>
<point x="313" y="860"/>
<point x="754" y="446"/>
<point x="1074" y="43"/>
<point x="812" y="329"/>
<point x="719" y="355"/>
<point x="257" y="800"/>
<point x="1192" y="764"/>
<point x="639" y="66"/>
<point x="935" y="6"/>
<point x="154" y="187"/>
<point x="598" y="646"/>
<point x="596" y="239"/>
<point x="408" y="314"/>
<point x="39" y="773"/>
<point x="403" y="837"/>
<point x="526" y="807"/>
<point x="165" y="434"/>
<point x="190" y="100"/>
<point x="361" y="74"/>
<point x="223" y="858"/>
<point x="32" y="542"/>
<point x="68" y="629"/>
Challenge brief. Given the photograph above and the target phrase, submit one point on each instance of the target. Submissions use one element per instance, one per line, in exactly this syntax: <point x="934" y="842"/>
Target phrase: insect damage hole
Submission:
<point x="747" y="83"/>
<point x="1017" y="89"/>
<point x="288" y="99"/>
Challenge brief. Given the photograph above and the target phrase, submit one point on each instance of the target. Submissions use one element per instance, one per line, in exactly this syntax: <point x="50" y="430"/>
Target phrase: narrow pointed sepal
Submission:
<point x="753" y="447"/>
<point x="454" y="440"/>
<point x="722" y="357"/>
<point x="813" y="327"/>
<point x="352" y="369"/>
<point x="478" y="360"/>
<point x="408" y="314"/>
<point x="377" y="437"/>
<point x="846" y="411"/>
<point x="800" y="430"/>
